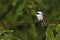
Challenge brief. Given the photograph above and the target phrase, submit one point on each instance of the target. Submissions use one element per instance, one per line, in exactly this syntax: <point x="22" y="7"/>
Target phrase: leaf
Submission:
<point x="9" y="30"/>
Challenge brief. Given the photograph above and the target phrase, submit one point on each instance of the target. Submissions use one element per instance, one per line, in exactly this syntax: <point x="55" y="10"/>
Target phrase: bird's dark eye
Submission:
<point x="37" y="13"/>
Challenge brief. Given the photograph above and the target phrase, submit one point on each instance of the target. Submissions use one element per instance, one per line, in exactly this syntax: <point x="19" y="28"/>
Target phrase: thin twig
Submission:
<point x="28" y="22"/>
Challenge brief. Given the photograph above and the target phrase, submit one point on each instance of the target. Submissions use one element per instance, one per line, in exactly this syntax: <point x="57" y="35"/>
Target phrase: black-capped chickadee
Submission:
<point x="41" y="23"/>
<point x="39" y="15"/>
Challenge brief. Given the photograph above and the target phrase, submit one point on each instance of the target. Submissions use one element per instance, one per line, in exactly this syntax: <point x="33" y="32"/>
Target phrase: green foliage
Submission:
<point x="23" y="11"/>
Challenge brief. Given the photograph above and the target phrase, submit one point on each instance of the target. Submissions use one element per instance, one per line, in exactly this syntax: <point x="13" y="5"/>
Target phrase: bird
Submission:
<point x="42" y="26"/>
<point x="39" y="15"/>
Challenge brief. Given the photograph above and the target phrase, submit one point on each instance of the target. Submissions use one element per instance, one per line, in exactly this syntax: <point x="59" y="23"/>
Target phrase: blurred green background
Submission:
<point x="24" y="11"/>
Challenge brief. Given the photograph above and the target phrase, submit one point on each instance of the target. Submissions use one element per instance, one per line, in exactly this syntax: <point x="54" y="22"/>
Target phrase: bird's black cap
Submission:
<point x="38" y="11"/>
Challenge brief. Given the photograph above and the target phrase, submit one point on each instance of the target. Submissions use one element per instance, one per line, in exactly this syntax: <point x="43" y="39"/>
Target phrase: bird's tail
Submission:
<point x="44" y="24"/>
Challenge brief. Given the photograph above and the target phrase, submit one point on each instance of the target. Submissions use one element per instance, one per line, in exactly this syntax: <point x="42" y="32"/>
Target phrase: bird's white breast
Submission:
<point x="39" y="17"/>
